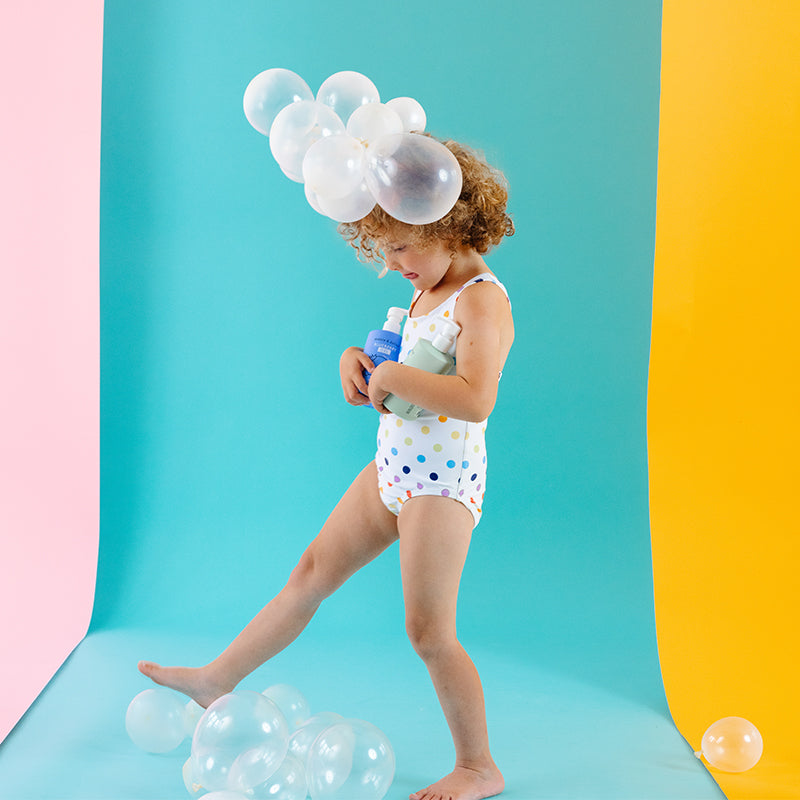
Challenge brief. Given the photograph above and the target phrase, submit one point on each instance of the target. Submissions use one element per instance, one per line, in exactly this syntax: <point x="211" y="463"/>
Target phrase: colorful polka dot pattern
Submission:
<point x="442" y="462"/>
<point x="432" y="455"/>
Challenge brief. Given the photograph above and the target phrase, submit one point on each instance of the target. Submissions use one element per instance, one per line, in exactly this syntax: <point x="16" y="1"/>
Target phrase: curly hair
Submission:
<point x="477" y="220"/>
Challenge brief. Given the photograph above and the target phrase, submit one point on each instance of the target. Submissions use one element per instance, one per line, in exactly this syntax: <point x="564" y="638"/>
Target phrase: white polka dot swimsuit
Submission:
<point x="432" y="455"/>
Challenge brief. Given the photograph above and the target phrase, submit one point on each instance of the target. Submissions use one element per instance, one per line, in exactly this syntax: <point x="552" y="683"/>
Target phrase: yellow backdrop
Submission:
<point x="724" y="402"/>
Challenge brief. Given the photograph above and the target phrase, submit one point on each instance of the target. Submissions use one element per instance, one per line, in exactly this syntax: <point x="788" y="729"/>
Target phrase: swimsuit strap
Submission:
<point x="484" y="276"/>
<point x="488" y="277"/>
<point x="450" y="302"/>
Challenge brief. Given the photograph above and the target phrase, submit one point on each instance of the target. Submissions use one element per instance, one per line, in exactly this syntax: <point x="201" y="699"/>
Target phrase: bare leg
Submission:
<point x="358" y="530"/>
<point x="434" y="538"/>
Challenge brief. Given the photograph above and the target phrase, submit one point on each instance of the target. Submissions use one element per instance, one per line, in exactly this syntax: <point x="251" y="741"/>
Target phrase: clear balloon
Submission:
<point x="330" y="760"/>
<point x="231" y="726"/>
<point x="302" y="739"/>
<point x="313" y="201"/>
<point x="192" y="712"/>
<point x="351" y="759"/>
<point x="411" y="113"/>
<point x="414" y="178"/>
<point x="372" y="121"/>
<point x="288" y="782"/>
<point x="291" y="702"/>
<point x="270" y="92"/>
<point x="345" y="91"/>
<point x="295" y="129"/>
<point x="155" y="720"/>
<point x="253" y="767"/>
<point x="732" y="744"/>
<point x="194" y="788"/>
<point x="351" y="207"/>
<point x="334" y="166"/>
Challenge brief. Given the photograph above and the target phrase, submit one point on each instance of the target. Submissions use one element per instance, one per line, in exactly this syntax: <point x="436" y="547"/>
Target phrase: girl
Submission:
<point x="425" y="486"/>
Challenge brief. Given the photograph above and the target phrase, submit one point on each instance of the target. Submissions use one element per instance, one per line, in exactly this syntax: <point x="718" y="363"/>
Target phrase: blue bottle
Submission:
<point x="383" y="344"/>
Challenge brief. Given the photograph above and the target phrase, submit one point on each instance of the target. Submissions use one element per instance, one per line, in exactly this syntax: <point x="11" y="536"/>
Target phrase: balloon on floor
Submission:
<point x="265" y="746"/>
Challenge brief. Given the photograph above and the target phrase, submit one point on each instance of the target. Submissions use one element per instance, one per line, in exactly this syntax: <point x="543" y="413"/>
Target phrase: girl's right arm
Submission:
<point x="351" y="366"/>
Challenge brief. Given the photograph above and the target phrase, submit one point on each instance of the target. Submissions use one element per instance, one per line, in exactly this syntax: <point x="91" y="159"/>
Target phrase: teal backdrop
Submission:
<point x="226" y="302"/>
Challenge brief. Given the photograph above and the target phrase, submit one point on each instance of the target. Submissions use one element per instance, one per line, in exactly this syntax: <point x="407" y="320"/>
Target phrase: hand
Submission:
<point x="378" y="391"/>
<point x="351" y="366"/>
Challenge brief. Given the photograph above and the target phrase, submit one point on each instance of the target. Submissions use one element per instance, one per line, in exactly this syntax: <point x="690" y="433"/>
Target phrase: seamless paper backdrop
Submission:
<point x="226" y="302"/>
<point x="50" y="67"/>
<point x="724" y="394"/>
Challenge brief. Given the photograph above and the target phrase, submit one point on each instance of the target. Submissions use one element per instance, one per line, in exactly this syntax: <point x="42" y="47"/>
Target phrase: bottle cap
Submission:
<point x="446" y="334"/>
<point x="394" y="319"/>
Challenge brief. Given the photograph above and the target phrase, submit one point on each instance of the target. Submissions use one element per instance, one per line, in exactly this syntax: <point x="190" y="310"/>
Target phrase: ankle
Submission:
<point x="482" y="764"/>
<point x="214" y="675"/>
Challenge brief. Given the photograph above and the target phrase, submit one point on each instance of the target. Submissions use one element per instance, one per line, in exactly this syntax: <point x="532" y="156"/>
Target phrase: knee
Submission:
<point x="428" y="637"/>
<point x="310" y="578"/>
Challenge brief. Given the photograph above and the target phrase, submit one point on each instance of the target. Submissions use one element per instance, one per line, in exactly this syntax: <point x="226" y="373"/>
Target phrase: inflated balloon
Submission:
<point x="271" y="91"/>
<point x="302" y="739"/>
<point x="330" y="760"/>
<point x="313" y="201"/>
<point x="231" y="726"/>
<point x="295" y="129"/>
<point x="732" y="744"/>
<point x="349" y="208"/>
<point x="192" y="712"/>
<point x="194" y="788"/>
<point x="345" y="91"/>
<point x="414" y="178"/>
<point x="380" y="158"/>
<point x="288" y="782"/>
<point x="253" y="767"/>
<point x="334" y="166"/>
<point x="350" y="760"/>
<point x="291" y="702"/>
<point x="155" y="720"/>
<point x="410" y="112"/>
<point x="372" y="121"/>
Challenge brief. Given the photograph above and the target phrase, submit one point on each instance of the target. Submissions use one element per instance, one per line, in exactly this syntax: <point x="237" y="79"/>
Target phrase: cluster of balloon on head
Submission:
<point x="264" y="746"/>
<point x="352" y="151"/>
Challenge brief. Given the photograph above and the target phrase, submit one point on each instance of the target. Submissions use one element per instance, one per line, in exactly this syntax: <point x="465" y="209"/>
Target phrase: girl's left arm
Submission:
<point x="484" y="315"/>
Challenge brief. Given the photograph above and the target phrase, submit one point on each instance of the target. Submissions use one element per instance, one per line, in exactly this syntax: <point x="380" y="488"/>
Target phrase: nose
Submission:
<point x="391" y="262"/>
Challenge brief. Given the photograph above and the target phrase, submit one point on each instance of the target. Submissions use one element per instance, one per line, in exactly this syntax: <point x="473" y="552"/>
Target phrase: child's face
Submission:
<point x="423" y="266"/>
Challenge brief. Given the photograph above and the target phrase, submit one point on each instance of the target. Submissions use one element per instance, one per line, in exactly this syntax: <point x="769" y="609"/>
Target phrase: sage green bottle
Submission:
<point x="432" y="356"/>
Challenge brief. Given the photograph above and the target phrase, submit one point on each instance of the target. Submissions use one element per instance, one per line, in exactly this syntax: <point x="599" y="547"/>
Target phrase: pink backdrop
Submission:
<point x="50" y="84"/>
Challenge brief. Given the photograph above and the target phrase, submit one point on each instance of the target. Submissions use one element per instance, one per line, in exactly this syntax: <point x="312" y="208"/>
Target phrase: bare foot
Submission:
<point x="195" y="683"/>
<point x="464" y="783"/>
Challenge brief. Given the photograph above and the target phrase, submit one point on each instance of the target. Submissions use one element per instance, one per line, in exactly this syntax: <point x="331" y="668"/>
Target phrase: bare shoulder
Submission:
<point x="481" y="300"/>
<point x="485" y="312"/>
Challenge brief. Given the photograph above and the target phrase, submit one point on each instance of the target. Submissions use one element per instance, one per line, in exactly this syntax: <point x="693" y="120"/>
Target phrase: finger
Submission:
<point x="377" y="397"/>
<point x="365" y="361"/>
<point x="361" y="384"/>
<point x="355" y="397"/>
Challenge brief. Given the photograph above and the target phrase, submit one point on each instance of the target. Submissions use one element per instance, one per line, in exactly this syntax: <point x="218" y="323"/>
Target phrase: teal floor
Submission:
<point x="554" y="735"/>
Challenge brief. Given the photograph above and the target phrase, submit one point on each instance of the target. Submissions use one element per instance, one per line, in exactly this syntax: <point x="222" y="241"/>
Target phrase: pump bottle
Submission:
<point x="432" y="356"/>
<point x="383" y="344"/>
